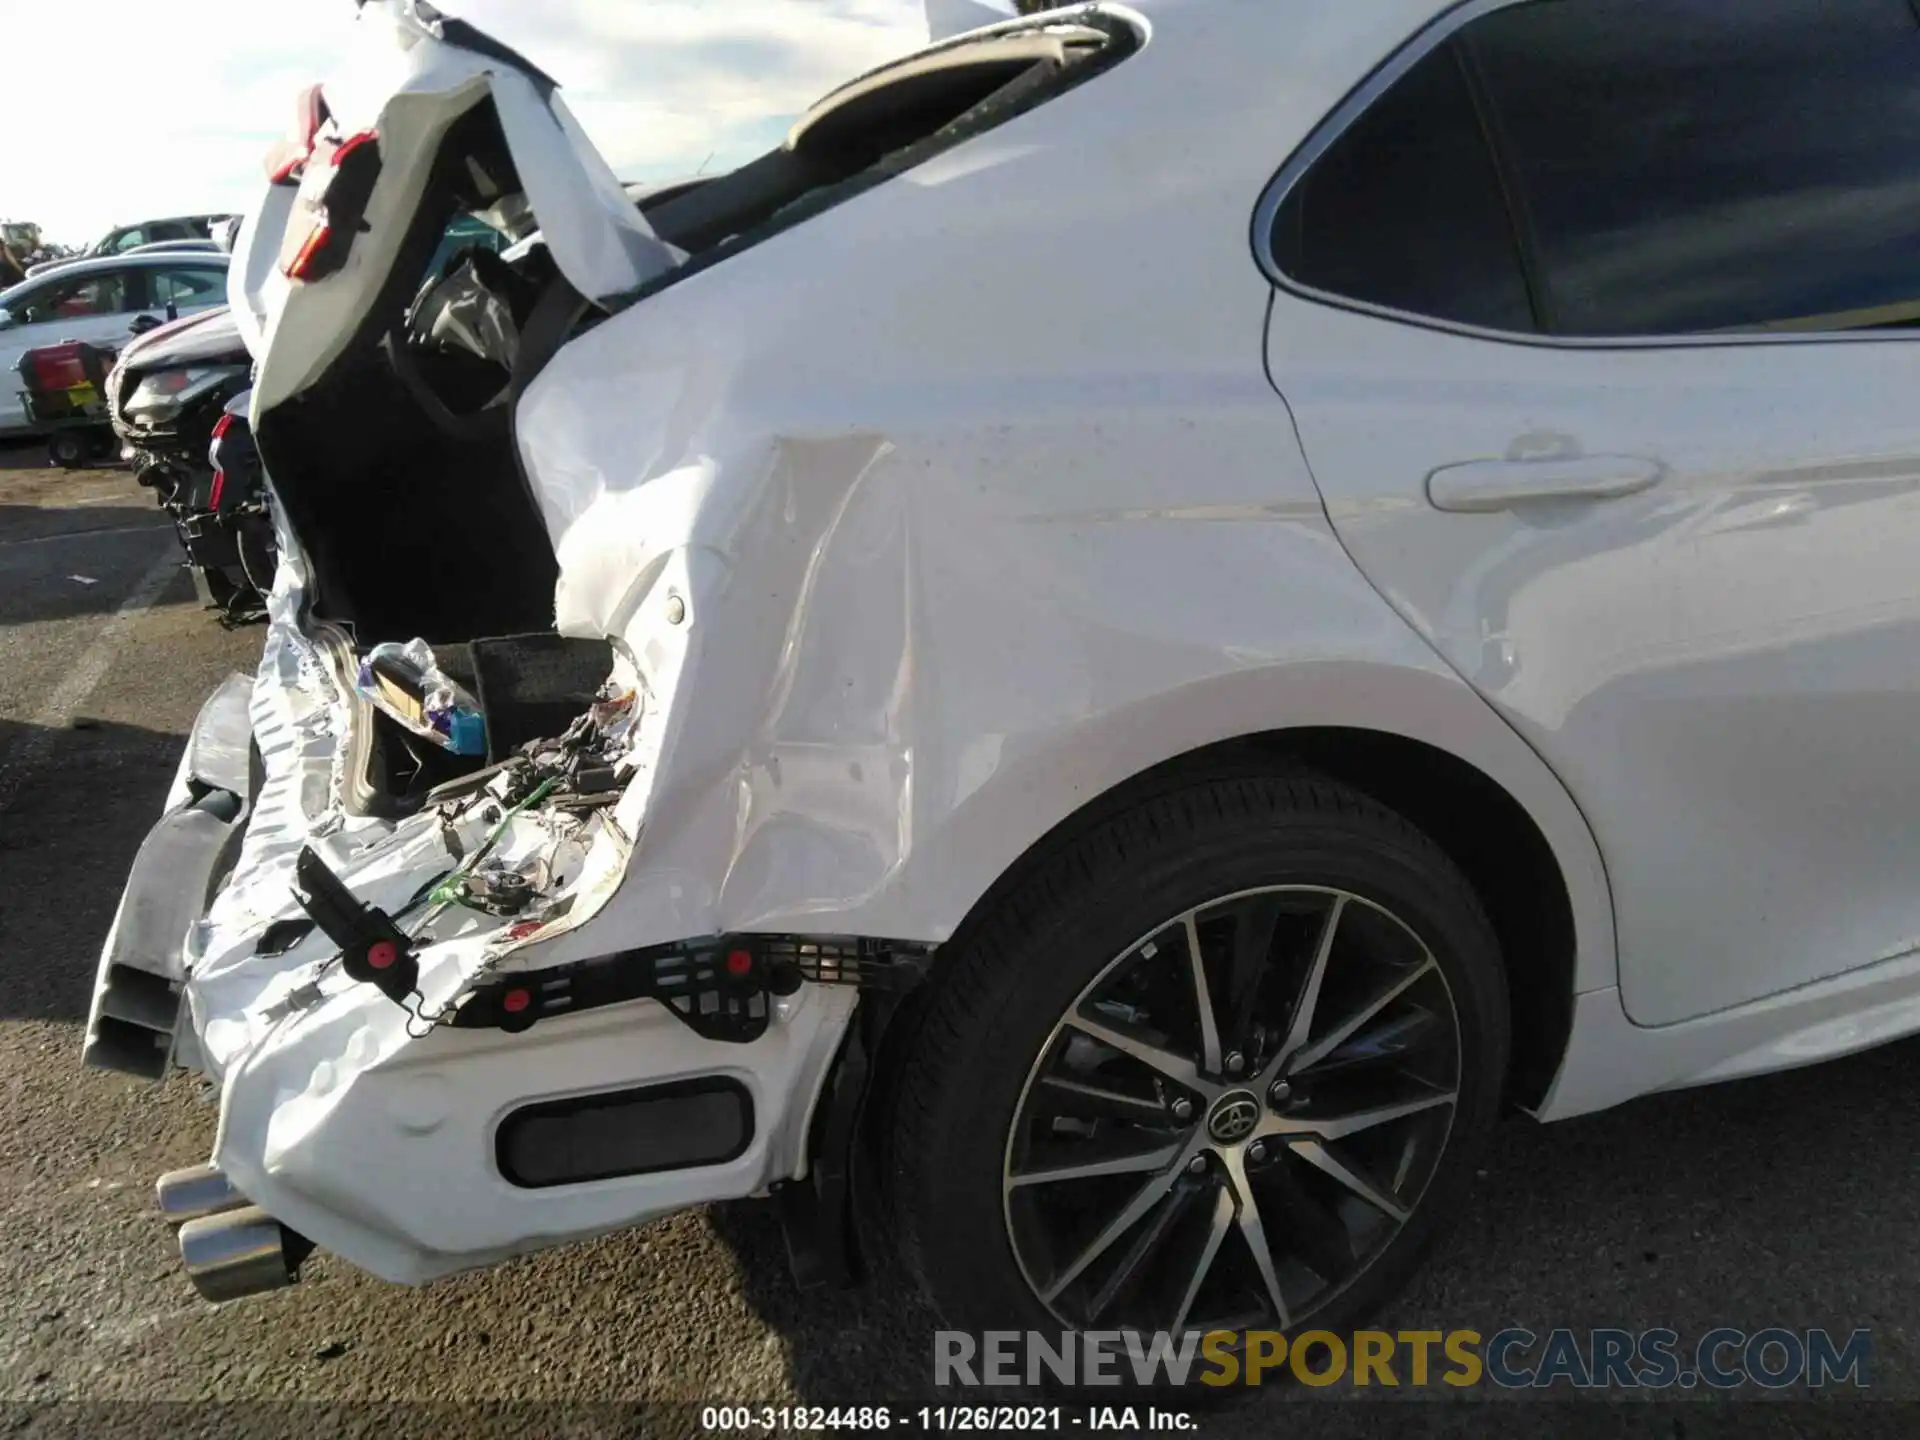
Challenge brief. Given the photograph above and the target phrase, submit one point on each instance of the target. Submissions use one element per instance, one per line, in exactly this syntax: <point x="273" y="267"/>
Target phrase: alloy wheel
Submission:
<point x="1235" y="1118"/>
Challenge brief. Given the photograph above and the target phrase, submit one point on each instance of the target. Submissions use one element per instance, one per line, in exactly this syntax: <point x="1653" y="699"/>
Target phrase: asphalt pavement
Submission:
<point x="1786" y="1201"/>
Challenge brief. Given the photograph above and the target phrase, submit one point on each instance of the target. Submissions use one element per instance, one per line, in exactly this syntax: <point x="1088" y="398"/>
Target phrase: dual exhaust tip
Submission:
<point x="231" y="1248"/>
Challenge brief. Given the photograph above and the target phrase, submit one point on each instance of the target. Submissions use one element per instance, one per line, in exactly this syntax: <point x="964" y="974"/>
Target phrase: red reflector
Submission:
<point x="221" y="426"/>
<point x="303" y="262"/>
<point x="514" y="1001"/>
<point x="353" y="143"/>
<point x="213" y="503"/>
<point x="381" y="954"/>
<point x="740" y="962"/>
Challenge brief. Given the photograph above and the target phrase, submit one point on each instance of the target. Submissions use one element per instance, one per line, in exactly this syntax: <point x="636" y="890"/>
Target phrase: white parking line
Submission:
<point x="79" y="683"/>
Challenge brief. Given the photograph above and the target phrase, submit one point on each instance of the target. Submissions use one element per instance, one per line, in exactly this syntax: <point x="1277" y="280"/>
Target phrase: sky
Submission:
<point x="168" y="109"/>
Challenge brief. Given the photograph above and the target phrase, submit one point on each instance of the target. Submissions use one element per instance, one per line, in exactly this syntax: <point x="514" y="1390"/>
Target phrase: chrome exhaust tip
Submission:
<point x="239" y="1253"/>
<point x="199" y="1190"/>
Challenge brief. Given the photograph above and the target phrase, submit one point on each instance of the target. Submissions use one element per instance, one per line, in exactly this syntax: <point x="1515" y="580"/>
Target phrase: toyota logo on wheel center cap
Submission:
<point x="1233" y="1118"/>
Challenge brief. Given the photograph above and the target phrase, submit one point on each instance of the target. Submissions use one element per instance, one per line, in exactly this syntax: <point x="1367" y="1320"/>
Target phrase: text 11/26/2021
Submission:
<point x="941" y="1419"/>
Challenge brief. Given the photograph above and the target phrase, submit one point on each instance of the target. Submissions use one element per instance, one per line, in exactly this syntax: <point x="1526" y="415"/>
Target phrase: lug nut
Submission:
<point x="1183" y="1109"/>
<point x="1257" y="1151"/>
<point x="1236" y="1062"/>
<point x="1197" y="1165"/>
<point x="1280" y="1093"/>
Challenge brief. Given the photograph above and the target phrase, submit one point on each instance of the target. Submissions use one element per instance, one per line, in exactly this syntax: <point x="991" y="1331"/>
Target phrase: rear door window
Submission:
<point x="1696" y="165"/>
<point x="189" y="287"/>
<point x="1405" y="209"/>
<point x="1596" y="168"/>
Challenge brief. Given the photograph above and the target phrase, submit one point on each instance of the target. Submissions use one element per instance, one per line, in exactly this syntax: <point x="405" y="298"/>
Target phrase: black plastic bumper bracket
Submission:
<point x="373" y="949"/>
<point x="721" y="988"/>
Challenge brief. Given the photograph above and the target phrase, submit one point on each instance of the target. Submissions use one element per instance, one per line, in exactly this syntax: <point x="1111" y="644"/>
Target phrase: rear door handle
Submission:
<point x="1484" y="485"/>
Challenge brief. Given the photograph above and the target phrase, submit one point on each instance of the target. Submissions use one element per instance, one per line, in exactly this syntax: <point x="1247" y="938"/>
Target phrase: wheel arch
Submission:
<point x="1504" y="856"/>
<point x="1533" y="861"/>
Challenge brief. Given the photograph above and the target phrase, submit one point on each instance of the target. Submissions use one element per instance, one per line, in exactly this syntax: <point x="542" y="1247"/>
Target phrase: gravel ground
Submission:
<point x="1783" y="1201"/>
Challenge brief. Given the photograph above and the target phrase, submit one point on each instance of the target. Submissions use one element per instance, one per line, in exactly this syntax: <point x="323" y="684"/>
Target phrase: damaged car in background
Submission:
<point x="924" y="678"/>
<point x="178" y="400"/>
<point x="175" y="393"/>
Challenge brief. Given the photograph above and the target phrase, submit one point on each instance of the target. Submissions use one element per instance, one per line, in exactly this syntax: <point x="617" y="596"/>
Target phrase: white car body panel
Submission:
<point x="1717" y="665"/>
<point x="256" y="290"/>
<point x="886" y="514"/>
<point x="1611" y="1060"/>
<point x="916" y="544"/>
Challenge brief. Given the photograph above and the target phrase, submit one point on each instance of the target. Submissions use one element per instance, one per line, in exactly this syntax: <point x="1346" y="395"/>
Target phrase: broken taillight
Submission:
<point x="334" y="193"/>
<point x="306" y="261"/>
<point x="352" y="143"/>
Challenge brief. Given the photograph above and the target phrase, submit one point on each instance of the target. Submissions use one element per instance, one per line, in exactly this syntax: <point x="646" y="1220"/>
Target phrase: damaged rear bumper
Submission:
<point x="396" y="1135"/>
<point x="396" y="1151"/>
<point x="135" y="1024"/>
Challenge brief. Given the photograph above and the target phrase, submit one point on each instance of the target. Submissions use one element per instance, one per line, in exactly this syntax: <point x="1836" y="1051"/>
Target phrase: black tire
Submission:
<point x="67" y="449"/>
<point x="1017" y="966"/>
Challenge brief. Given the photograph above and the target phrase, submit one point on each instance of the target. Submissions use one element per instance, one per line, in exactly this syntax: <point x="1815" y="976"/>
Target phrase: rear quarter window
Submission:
<point x="199" y="285"/>
<point x="1405" y="209"/>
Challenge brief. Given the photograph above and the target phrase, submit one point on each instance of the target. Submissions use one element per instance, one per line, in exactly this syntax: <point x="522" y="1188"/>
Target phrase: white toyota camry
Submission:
<point x="1107" y="654"/>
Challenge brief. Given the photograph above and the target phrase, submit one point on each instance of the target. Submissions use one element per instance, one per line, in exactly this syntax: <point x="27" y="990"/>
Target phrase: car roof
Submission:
<point x="145" y="260"/>
<point x="190" y="247"/>
<point x="174" y="220"/>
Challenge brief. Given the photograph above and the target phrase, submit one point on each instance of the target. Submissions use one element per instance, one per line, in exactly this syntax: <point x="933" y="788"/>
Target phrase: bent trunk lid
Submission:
<point x="426" y="72"/>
